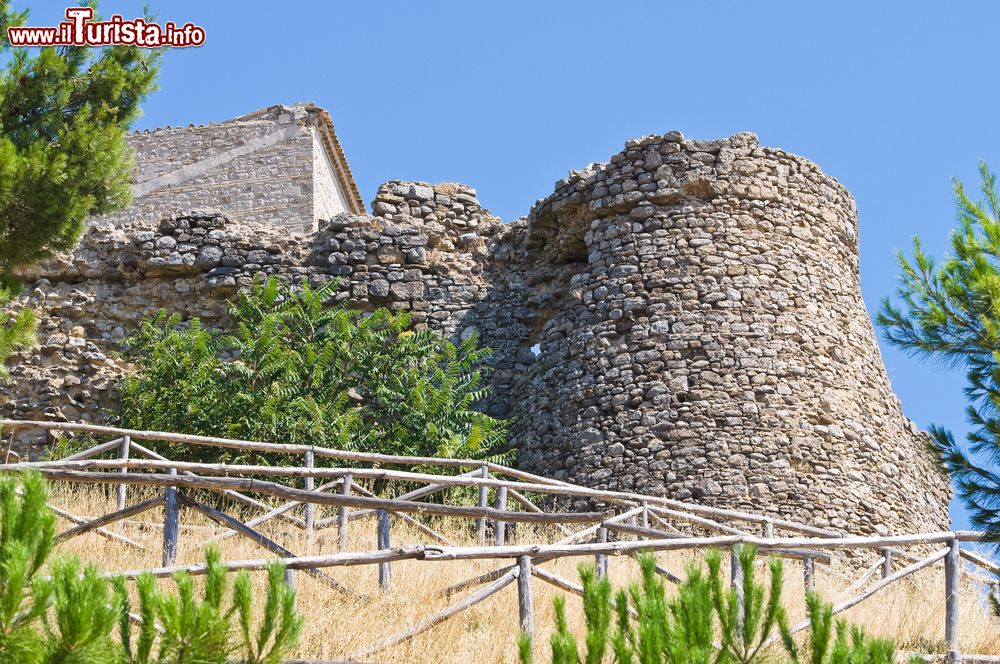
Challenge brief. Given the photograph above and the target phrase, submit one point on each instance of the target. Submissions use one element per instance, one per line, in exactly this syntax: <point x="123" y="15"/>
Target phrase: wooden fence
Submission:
<point x="628" y="524"/>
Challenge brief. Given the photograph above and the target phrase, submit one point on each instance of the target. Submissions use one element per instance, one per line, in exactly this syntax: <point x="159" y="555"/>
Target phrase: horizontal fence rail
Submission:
<point x="626" y="524"/>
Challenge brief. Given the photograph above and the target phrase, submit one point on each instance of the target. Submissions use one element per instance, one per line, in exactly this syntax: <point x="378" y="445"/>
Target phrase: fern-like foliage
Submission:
<point x="292" y="369"/>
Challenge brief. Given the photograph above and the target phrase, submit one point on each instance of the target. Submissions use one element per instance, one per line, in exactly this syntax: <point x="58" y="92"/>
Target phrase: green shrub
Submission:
<point x="70" y="616"/>
<point x="705" y="623"/>
<point x="293" y="370"/>
<point x="206" y="630"/>
<point x="829" y="643"/>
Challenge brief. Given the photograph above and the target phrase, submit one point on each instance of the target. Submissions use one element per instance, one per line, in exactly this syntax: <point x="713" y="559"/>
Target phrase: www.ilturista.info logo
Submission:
<point x="79" y="29"/>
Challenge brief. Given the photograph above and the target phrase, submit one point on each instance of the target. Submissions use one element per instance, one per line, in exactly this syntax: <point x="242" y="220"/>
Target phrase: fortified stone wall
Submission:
<point x="684" y="320"/>
<point x="716" y="345"/>
<point x="122" y="272"/>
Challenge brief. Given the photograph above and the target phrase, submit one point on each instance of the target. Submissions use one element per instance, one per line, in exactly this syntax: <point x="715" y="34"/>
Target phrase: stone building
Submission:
<point x="684" y="320"/>
<point x="281" y="164"/>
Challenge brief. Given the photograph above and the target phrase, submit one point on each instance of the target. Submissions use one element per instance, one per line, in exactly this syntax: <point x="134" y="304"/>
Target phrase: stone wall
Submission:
<point x="193" y="262"/>
<point x="715" y="345"/>
<point x="684" y="320"/>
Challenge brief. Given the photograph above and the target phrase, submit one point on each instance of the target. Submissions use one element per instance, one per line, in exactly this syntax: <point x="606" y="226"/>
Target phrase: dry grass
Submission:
<point x="911" y="612"/>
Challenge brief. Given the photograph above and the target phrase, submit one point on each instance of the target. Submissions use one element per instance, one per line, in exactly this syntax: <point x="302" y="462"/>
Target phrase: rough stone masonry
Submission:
<point x="684" y="320"/>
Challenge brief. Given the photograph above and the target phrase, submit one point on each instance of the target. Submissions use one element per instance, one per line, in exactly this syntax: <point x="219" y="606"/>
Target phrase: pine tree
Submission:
<point x="64" y="113"/>
<point x="950" y="314"/>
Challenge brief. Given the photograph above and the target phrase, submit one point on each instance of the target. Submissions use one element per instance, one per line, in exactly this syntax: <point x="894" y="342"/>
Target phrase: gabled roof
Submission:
<point x="318" y="118"/>
<point x="331" y="144"/>
<point x="339" y="160"/>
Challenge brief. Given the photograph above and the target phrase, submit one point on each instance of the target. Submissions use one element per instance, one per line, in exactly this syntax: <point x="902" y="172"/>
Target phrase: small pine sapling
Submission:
<point x="746" y="622"/>
<point x="83" y="617"/>
<point x="206" y="630"/>
<point x="280" y="626"/>
<point x="688" y="634"/>
<point x="142" y="650"/>
<point x="564" y="650"/>
<point x="828" y="641"/>
<point x="27" y="529"/>
<point x="649" y="629"/>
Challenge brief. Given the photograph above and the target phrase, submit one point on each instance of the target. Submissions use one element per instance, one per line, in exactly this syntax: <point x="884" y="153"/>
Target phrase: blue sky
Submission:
<point x="892" y="98"/>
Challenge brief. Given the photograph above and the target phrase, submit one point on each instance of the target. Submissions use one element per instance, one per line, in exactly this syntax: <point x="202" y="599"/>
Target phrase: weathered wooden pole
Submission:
<point x="171" y="522"/>
<point x="736" y="579"/>
<point x="384" y="570"/>
<point x="345" y="490"/>
<point x="123" y="452"/>
<point x="645" y="514"/>
<point x="809" y="574"/>
<point x="768" y="529"/>
<point x="484" y="472"/>
<point x="525" y="606"/>
<point x="952" y="571"/>
<point x="500" y="527"/>
<point x="601" y="559"/>
<point x="886" y="562"/>
<point x="310" y="515"/>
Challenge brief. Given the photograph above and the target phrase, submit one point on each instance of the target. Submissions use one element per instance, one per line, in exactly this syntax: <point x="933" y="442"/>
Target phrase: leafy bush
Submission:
<point x="705" y="623"/>
<point x="70" y="616"/>
<point x="293" y="370"/>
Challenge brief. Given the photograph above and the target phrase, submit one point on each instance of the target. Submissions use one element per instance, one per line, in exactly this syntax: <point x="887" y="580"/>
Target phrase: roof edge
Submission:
<point x="334" y="150"/>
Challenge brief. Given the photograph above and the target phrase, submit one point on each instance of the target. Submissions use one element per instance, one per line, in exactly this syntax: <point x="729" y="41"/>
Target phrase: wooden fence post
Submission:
<point x="123" y="452"/>
<point x="601" y="559"/>
<point x="384" y="571"/>
<point x="809" y="574"/>
<point x="310" y="515"/>
<point x="500" y="527"/>
<point x="768" y="529"/>
<point x="886" y="562"/>
<point x="645" y="514"/>
<point x="525" y="607"/>
<point x="171" y="522"/>
<point x="952" y="571"/>
<point x="345" y="490"/>
<point x="484" y="472"/>
<point x="736" y="580"/>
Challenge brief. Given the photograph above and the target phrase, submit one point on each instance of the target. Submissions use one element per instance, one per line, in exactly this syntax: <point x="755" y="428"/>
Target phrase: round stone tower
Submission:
<point x="709" y="342"/>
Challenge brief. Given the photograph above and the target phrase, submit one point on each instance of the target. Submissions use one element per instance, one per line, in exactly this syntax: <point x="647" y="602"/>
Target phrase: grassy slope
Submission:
<point x="911" y="613"/>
